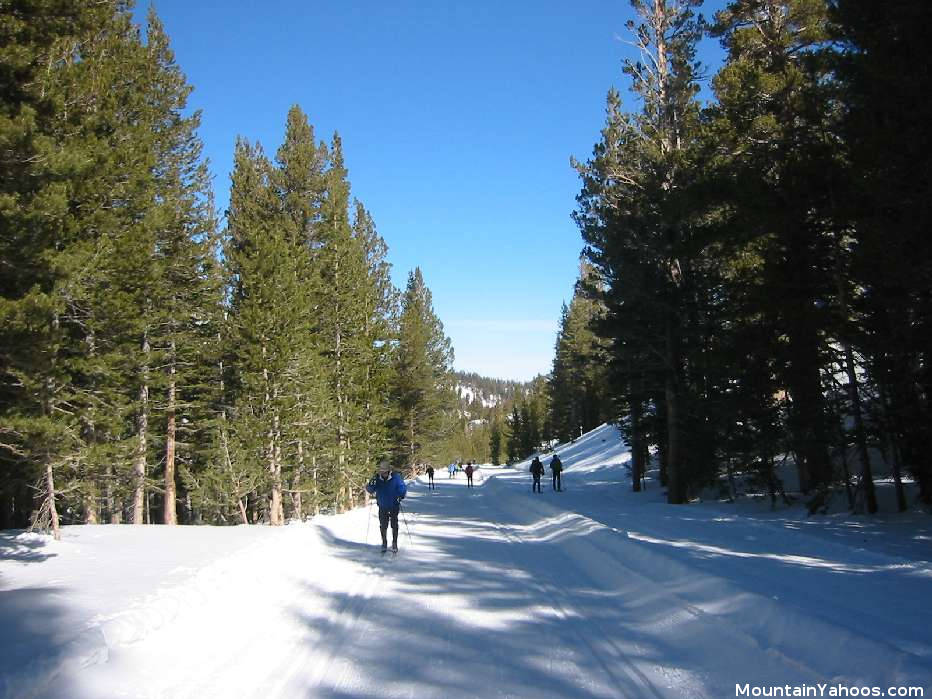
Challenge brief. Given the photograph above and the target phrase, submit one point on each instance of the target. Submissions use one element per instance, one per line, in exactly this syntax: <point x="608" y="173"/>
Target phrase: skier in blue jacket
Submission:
<point x="389" y="490"/>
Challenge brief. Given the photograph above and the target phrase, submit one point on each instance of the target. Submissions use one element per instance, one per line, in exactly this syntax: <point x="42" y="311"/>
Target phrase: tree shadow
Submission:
<point x="780" y="569"/>
<point x="39" y="641"/>
<point x="537" y="602"/>
<point x="17" y="545"/>
<point x="460" y="626"/>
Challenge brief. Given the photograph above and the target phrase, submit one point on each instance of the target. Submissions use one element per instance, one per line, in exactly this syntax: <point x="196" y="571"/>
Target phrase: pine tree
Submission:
<point x="326" y="336"/>
<point x="186" y="297"/>
<point x="421" y="387"/>
<point x="882" y="65"/>
<point x="379" y="301"/>
<point x="343" y="322"/>
<point x="783" y="155"/>
<point x="495" y="439"/>
<point x="578" y="381"/>
<point x="528" y="434"/>
<point x="300" y="183"/>
<point x="515" y="431"/>
<point x="79" y="190"/>
<point x="270" y="318"/>
<point x="637" y="222"/>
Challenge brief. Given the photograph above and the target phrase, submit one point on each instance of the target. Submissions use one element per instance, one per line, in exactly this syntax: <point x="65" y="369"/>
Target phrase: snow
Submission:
<point x="591" y="592"/>
<point x="471" y="393"/>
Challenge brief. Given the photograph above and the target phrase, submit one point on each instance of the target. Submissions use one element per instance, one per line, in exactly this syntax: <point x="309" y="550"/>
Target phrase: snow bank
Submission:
<point x="102" y="587"/>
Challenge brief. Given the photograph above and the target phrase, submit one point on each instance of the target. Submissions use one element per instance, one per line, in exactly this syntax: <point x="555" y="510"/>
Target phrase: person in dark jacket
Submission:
<point x="430" y="477"/>
<point x="537" y="470"/>
<point x="556" y="468"/>
<point x="469" y="470"/>
<point x="389" y="490"/>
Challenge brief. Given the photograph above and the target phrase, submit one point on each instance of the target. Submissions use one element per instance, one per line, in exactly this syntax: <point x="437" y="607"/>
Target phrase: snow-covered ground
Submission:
<point x="497" y="592"/>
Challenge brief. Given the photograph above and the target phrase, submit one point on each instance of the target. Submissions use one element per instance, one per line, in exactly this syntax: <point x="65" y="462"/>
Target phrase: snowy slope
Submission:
<point x="471" y="393"/>
<point x="590" y="592"/>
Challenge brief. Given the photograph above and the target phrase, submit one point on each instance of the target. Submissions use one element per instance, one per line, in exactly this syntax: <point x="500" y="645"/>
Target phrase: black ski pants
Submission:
<point x="557" y="485"/>
<point x="386" y="515"/>
<point x="536" y="486"/>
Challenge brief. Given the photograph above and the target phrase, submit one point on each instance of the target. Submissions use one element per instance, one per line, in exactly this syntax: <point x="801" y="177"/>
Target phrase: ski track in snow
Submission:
<point x="561" y="604"/>
<point x="497" y="592"/>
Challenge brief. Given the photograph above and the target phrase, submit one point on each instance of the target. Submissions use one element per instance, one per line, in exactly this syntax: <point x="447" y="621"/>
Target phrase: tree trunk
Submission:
<point x="90" y="495"/>
<point x="675" y="478"/>
<point x="846" y="472"/>
<point x="114" y="506"/>
<point x="297" y="506"/>
<point x="907" y="407"/>
<point x="276" y="507"/>
<point x="411" y="439"/>
<point x="637" y="451"/>
<point x="807" y="425"/>
<point x="807" y="417"/>
<point x="142" y="426"/>
<point x="891" y="432"/>
<point x="297" y="482"/>
<point x="645" y="461"/>
<point x="860" y="436"/>
<point x="53" y="509"/>
<point x="170" y="514"/>
<point x="90" y="505"/>
<point x="343" y="501"/>
<point x="662" y="458"/>
<point x="898" y="479"/>
<point x="229" y="462"/>
<point x="659" y="18"/>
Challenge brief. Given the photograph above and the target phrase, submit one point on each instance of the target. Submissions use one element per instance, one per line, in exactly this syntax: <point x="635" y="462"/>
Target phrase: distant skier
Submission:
<point x="469" y="470"/>
<point x="389" y="490"/>
<point x="556" y="468"/>
<point x="452" y="469"/>
<point x="430" y="477"/>
<point x="537" y="470"/>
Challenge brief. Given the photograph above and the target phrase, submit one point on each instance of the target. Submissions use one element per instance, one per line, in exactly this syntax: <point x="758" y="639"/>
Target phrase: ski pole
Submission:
<point x="405" y="520"/>
<point x="368" y="522"/>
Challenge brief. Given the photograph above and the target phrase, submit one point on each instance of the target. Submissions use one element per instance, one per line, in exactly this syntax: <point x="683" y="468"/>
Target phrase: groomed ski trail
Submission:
<point x="497" y="592"/>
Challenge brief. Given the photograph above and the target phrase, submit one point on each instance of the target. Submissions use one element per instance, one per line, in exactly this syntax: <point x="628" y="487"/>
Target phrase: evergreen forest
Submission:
<point x="755" y="290"/>
<point x="755" y="287"/>
<point x="157" y="365"/>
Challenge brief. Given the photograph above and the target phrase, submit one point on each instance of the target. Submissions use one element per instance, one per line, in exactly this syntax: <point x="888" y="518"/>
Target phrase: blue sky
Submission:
<point x="458" y="120"/>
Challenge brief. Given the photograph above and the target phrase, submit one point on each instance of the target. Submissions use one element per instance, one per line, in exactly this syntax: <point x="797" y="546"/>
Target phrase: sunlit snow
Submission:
<point x="497" y="592"/>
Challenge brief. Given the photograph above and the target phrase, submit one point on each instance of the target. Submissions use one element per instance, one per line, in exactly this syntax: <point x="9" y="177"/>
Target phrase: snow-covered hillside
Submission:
<point x="471" y="394"/>
<point x="590" y="592"/>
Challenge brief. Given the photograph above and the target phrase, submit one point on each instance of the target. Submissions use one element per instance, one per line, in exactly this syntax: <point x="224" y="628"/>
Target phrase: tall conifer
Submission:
<point x="270" y="318"/>
<point x="772" y="90"/>
<point x="636" y="220"/>
<point x="421" y="386"/>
